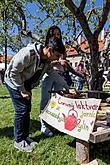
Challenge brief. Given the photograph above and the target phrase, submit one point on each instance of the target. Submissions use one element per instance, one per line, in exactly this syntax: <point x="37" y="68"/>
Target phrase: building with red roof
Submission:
<point x="74" y="57"/>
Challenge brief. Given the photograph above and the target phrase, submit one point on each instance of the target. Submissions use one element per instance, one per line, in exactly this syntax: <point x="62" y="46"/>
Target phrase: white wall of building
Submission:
<point x="74" y="60"/>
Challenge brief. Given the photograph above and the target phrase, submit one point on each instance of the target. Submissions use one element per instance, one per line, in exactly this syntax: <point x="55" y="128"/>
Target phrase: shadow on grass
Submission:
<point x="102" y="150"/>
<point x="4" y="97"/>
<point x="73" y="143"/>
<point x="7" y="132"/>
<point x="35" y="126"/>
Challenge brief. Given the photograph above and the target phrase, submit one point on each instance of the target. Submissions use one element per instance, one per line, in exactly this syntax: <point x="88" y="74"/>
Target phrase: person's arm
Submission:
<point x="19" y="63"/>
<point x="73" y="71"/>
<point x="54" y="62"/>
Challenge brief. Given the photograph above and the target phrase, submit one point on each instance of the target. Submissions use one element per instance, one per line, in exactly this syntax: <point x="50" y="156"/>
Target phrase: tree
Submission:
<point x="92" y="36"/>
<point x="9" y="22"/>
<point x="13" y="21"/>
<point x="11" y="15"/>
<point x="78" y="17"/>
<point x="9" y="18"/>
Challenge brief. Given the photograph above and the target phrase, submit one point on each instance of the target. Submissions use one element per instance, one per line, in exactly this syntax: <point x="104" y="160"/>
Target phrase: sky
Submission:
<point x="32" y="9"/>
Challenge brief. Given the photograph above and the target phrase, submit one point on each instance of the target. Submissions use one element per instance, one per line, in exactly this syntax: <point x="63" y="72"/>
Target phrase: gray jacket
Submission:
<point x="24" y="65"/>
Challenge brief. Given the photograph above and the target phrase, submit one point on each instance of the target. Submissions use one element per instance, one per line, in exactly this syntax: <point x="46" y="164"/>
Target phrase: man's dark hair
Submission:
<point x="57" y="45"/>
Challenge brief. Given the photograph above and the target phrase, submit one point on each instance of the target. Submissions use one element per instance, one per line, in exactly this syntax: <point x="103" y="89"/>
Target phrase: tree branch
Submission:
<point x="82" y="5"/>
<point x="88" y="16"/>
<point x="103" y="18"/>
<point x="21" y="14"/>
<point x="24" y="30"/>
<point x="81" y="18"/>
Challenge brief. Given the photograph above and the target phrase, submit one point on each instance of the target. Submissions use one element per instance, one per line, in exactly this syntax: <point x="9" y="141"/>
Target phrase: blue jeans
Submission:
<point x="80" y="83"/>
<point x="21" y="116"/>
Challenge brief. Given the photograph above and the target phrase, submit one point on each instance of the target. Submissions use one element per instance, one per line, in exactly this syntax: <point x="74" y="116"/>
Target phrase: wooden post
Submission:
<point x="82" y="151"/>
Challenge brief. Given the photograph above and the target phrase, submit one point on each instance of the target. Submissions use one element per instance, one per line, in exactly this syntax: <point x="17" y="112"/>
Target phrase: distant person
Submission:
<point x="80" y="80"/>
<point x="23" y="73"/>
<point x="2" y="72"/>
<point x="99" y="79"/>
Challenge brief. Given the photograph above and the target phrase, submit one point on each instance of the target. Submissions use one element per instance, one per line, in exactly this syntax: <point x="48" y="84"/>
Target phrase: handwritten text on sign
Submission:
<point x="75" y="117"/>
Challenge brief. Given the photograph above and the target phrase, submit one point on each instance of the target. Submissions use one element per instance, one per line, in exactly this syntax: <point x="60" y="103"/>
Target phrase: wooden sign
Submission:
<point x="75" y="117"/>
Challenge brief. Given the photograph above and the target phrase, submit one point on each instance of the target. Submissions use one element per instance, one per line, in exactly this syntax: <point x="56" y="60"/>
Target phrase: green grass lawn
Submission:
<point x="57" y="150"/>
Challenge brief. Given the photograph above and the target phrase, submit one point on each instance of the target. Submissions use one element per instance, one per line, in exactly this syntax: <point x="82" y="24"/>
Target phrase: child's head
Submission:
<point x="53" y="31"/>
<point x="54" y="49"/>
<point x="56" y="44"/>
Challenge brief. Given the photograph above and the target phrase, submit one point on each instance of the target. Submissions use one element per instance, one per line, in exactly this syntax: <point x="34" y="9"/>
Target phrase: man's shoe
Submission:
<point x="31" y="142"/>
<point x="47" y="132"/>
<point x="23" y="146"/>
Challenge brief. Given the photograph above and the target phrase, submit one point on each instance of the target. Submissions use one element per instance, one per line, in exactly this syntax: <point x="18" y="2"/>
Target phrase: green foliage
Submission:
<point x="57" y="150"/>
<point x="10" y="19"/>
<point x="47" y="13"/>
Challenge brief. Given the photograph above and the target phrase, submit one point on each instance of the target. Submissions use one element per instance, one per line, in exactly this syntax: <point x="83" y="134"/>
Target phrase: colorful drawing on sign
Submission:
<point x="52" y="104"/>
<point x="75" y="117"/>
<point x="71" y="120"/>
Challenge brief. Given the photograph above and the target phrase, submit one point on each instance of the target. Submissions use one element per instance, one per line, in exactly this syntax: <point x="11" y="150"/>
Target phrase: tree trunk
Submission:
<point x="94" y="83"/>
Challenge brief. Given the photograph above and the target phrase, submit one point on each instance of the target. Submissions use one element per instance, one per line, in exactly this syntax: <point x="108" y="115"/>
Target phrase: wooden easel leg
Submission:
<point x="82" y="151"/>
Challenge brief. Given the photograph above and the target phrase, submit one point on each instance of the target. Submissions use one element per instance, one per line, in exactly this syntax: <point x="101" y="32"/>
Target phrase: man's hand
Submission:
<point x="25" y="94"/>
<point x="54" y="62"/>
<point x="62" y="62"/>
<point x="73" y="91"/>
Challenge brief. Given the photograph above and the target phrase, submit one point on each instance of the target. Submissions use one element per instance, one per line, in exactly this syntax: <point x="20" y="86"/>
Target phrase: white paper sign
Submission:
<point x="75" y="117"/>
